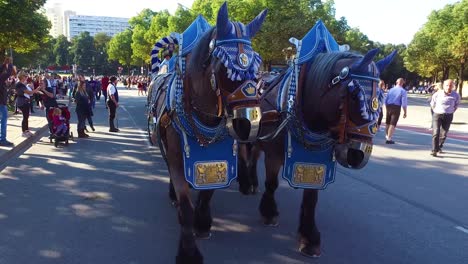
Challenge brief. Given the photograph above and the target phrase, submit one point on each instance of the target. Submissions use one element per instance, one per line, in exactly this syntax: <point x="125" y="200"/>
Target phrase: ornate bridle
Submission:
<point x="357" y="85"/>
<point x="242" y="64"/>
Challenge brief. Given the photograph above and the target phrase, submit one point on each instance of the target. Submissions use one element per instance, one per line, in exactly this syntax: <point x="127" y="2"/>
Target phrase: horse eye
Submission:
<point x="212" y="45"/>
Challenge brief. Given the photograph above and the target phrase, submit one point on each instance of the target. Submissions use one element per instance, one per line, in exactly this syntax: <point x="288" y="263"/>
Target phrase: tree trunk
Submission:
<point x="445" y="73"/>
<point x="460" y="78"/>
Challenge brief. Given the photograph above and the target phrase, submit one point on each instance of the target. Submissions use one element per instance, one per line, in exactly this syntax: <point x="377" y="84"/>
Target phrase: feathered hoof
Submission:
<point x="310" y="251"/>
<point x="272" y="222"/>
<point x="202" y="235"/>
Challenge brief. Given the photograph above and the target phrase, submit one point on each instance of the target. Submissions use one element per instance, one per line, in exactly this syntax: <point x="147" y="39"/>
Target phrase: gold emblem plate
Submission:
<point x="375" y="104"/>
<point x="209" y="173"/>
<point x="309" y="173"/>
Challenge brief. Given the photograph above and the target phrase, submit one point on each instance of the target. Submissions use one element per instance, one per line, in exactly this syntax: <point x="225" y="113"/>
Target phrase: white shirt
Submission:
<point x="111" y="89"/>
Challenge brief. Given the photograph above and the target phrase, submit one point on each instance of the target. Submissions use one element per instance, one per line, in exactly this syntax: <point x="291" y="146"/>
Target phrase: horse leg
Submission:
<point x="172" y="194"/>
<point x="188" y="252"/>
<point x="243" y="170"/>
<point x="203" y="219"/>
<point x="268" y="208"/>
<point x="309" y="236"/>
<point x="252" y="166"/>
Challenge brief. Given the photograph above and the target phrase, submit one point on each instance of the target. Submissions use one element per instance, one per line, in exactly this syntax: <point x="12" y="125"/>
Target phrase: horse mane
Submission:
<point x="200" y="54"/>
<point x="321" y="69"/>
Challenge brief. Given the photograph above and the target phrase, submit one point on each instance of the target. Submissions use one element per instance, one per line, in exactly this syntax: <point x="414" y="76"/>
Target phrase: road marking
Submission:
<point x="140" y="131"/>
<point x="464" y="230"/>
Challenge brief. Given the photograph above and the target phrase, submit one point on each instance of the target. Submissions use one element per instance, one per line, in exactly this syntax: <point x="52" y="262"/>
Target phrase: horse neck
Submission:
<point x="311" y="102"/>
<point x="201" y="101"/>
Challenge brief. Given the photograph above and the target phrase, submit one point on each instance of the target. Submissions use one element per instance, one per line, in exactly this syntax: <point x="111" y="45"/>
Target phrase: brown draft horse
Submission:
<point x="327" y="106"/>
<point x="220" y="63"/>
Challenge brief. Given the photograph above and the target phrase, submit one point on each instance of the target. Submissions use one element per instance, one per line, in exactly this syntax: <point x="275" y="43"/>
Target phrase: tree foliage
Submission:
<point x="23" y="28"/>
<point x="441" y="44"/>
<point x="61" y="51"/>
<point x="120" y="48"/>
<point x="141" y="47"/>
<point x="83" y="51"/>
<point x="101" y="42"/>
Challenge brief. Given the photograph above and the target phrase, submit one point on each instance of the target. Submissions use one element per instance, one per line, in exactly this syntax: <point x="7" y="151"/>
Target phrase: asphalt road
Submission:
<point x="104" y="200"/>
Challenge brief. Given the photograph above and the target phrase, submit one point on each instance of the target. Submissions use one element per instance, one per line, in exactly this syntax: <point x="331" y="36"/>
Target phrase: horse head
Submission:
<point x="222" y="75"/>
<point x="347" y="103"/>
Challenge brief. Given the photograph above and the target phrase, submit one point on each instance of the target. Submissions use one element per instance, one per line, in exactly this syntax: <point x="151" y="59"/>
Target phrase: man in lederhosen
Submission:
<point x="112" y="102"/>
<point x="395" y="100"/>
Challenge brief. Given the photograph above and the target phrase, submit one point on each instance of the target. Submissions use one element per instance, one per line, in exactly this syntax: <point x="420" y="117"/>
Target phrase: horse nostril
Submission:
<point x="355" y="157"/>
<point x="241" y="127"/>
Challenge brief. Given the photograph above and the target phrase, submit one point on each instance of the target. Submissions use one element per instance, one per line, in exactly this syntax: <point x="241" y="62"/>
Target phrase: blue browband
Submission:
<point x="365" y="77"/>
<point x="232" y="41"/>
<point x="345" y="73"/>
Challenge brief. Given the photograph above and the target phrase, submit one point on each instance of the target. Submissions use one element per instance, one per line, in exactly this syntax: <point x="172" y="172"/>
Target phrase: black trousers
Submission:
<point x="112" y="110"/>
<point x="440" y="127"/>
<point x="25" y="110"/>
<point x="379" y="121"/>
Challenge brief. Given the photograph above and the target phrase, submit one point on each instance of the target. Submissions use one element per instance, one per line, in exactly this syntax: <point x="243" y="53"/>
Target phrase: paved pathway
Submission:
<point x="418" y="120"/>
<point x="37" y="125"/>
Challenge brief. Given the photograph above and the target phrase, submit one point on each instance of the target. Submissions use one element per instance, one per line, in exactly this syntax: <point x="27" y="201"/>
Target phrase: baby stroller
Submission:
<point x="65" y="135"/>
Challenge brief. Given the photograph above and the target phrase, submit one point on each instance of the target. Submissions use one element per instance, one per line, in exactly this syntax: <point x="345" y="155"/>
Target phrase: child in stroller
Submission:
<point x="60" y="117"/>
<point x="60" y="124"/>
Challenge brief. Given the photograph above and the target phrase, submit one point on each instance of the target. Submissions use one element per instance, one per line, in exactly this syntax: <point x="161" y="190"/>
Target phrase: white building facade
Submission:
<point x="95" y="24"/>
<point x="55" y="16"/>
<point x="71" y="25"/>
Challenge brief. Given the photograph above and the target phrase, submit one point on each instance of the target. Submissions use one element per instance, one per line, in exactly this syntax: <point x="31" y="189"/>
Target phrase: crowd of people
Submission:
<point x="41" y="91"/>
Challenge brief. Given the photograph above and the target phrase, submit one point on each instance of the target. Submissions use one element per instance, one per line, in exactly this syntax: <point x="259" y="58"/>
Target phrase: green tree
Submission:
<point x="101" y="42"/>
<point x="159" y="28"/>
<point x="62" y="51"/>
<point x="141" y="46"/>
<point x="441" y="44"/>
<point x="458" y="47"/>
<point x="83" y="52"/>
<point x="180" y="20"/>
<point x="23" y="28"/>
<point x="120" y="48"/>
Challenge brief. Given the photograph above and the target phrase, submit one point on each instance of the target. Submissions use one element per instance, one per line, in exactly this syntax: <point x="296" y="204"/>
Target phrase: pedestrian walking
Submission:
<point x="6" y="70"/>
<point x="104" y="84"/>
<point x="397" y="99"/>
<point x="48" y="100"/>
<point x="444" y="103"/>
<point x="382" y="90"/>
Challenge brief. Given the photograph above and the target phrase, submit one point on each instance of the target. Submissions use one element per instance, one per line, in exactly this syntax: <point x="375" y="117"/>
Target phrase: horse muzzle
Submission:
<point x="244" y="113"/>
<point x="245" y="123"/>
<point x="353" y="154"/>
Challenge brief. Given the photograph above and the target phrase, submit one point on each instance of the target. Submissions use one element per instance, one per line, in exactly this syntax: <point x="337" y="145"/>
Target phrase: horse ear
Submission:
<point x="361" y="65"/>
<point x="255" y="25"/>
<point x="383" y="63"/>
<point x="222" y="22"/>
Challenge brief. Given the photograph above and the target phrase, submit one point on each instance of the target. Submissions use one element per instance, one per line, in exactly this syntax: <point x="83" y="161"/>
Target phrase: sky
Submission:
<point x="384" y="21"/>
